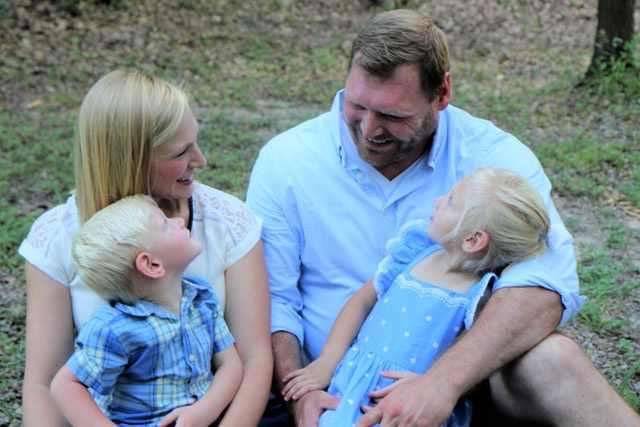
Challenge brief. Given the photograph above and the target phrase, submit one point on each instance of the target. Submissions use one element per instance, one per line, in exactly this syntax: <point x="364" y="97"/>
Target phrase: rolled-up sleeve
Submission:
<point x="556" y="268"/>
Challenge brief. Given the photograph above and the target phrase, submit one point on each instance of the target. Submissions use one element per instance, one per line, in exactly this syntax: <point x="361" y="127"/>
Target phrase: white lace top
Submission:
<point x="223" y="224"/>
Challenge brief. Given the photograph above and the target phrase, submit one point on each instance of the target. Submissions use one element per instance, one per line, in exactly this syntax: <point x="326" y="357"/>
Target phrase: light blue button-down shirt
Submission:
<point x="326" y="222"/>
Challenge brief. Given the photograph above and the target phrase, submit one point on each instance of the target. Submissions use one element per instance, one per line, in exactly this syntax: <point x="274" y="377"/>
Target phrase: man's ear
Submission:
<point x="149" y="267"/>
<point x="444" y="94"/>
<point x="476" y="242"/>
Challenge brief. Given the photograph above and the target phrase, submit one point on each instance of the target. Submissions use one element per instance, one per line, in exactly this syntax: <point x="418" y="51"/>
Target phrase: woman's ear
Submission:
<point x="476" y="242"/>
<point x="148" y="267"/>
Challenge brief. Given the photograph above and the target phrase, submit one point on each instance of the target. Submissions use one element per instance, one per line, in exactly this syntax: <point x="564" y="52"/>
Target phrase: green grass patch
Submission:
<point x="583" y="165"/>
<point x="601" y="276"/>
<point x="619" y="77"/>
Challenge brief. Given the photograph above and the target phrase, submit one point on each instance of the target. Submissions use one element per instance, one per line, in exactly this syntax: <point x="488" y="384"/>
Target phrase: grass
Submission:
<point x="247" y="85"/>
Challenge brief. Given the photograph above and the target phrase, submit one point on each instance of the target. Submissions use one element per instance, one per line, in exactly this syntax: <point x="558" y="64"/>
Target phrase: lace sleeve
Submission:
<point x="240" y="227"/>
<point x="48" y="244"/>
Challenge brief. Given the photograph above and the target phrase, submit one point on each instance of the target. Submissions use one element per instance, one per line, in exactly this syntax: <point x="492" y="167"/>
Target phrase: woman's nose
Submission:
<point x="198" y="160"/>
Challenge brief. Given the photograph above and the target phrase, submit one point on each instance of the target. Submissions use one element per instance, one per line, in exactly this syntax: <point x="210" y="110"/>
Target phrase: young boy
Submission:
<point x="145" y="358"/>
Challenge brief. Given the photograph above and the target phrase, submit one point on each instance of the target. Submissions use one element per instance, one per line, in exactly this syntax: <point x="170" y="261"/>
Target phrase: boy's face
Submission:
<point x="171" y="241"/>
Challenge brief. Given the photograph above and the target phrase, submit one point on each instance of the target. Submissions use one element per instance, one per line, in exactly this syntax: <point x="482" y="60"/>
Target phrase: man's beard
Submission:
<point x="422" y="140"/>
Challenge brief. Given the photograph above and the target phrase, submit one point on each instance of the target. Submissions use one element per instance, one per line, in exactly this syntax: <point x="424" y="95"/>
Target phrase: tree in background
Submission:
<point x="613" y="35"/>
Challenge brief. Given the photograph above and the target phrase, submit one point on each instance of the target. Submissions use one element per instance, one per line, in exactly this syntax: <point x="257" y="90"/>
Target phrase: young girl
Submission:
<point x="425" y="291"/>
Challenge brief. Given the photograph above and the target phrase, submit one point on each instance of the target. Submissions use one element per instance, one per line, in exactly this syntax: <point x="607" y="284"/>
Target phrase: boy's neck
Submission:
<point x="165" y="292"/>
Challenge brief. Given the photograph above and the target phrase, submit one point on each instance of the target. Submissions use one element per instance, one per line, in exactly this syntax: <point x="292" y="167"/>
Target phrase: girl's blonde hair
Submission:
<point x="123" y="117"/>
<point x="107" y="244"/>
<point x="510" y="210"/>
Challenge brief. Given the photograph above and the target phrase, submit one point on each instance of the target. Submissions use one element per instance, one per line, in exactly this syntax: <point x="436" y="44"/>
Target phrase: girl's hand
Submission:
<point x="316" y="376"/>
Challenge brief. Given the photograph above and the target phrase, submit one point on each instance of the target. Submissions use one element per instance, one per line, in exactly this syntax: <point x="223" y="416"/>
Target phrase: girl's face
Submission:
<point x="173" y="163"/>
<point x="449" y="208"/>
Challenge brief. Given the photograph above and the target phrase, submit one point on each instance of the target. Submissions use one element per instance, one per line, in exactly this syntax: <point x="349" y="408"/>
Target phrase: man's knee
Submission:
<point x="533" y="377"/>
<point x="553" y="356"/>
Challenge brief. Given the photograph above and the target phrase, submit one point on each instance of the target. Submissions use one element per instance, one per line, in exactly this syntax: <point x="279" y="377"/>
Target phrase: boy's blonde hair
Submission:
<point x="106" y="246"/>
<point x="510" y="210"/>
<point x="124" y="116"/>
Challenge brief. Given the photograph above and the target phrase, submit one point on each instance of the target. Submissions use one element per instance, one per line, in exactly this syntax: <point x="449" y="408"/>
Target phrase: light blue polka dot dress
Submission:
<point x="410" y="325"/>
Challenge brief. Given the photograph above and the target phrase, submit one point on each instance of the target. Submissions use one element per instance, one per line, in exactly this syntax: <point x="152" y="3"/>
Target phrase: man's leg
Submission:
<point x="555" y="383"/>
<point x="276" y="414"/>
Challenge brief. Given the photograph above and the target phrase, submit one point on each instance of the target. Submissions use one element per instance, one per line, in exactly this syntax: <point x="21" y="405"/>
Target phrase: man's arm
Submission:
<point x="512" y="322"/>
<point x="286" y="354"/>
<point x="317" y="374"/>
<point x="267" y="198"/>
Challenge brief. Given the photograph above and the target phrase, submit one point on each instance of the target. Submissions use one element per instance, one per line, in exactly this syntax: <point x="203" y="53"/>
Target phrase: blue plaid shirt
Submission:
<point x="142" y="361"/>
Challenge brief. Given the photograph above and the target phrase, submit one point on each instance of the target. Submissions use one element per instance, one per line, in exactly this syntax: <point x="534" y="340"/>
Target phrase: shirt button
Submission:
<point x="385" y="212"/>
<point x="192" y="357"/>
<point x="360" y="175"/>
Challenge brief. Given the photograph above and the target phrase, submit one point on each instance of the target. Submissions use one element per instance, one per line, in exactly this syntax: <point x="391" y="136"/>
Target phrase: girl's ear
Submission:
<point x="148" y="267"/>
<point x="476" y="242"/>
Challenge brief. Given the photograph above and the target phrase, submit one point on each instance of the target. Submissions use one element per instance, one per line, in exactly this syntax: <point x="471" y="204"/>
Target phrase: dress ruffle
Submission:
<point x="412" y="239"/>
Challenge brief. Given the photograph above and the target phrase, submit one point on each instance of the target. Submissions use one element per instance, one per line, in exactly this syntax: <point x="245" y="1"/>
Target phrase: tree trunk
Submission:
<point x="615" y="29"/>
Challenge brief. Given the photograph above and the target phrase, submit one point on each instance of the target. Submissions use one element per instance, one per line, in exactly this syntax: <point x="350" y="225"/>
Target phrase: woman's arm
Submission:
<point x="49" y="344"/>
<point x="247" y="314"/>
<point x="317" y="374"/>
<point x="75" y="402"/>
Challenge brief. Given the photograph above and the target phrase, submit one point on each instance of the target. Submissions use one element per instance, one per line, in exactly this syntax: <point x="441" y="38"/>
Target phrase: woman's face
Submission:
<point x="173" y="163"/>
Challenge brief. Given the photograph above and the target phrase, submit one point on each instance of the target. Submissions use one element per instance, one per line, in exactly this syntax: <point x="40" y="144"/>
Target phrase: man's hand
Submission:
<point x="315" y="376"/>
<point x="418" y="402"/>
<point x="308" y="409"/>
<point x="400" y="377"/>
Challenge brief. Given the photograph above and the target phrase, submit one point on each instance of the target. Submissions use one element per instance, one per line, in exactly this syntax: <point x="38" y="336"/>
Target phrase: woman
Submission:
<point x="137" y="135"/>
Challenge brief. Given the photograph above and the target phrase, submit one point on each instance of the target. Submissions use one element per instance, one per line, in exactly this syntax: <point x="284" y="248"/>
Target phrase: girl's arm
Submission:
<point x="49" y="344"/>
<point x="318" y="373"/>
<point x="248" y="315"/>
<point x="227" y="378"/>
<point x="75" y="402"/>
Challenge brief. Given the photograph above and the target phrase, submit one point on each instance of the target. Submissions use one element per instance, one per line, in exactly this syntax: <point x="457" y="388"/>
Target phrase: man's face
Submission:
<point x="391" y="121"/>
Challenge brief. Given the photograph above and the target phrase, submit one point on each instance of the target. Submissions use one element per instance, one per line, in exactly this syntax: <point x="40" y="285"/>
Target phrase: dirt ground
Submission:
<point x="52" y="46"/>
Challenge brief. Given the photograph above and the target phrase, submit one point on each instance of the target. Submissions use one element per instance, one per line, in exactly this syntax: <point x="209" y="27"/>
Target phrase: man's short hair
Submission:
<point x="402" y="37"/>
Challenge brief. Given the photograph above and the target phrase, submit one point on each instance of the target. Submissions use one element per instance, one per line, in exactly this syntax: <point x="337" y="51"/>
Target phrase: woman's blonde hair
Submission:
<point x="107" y="244"/>
<point x="123" y="117"/>
<point x="512" y="213"/>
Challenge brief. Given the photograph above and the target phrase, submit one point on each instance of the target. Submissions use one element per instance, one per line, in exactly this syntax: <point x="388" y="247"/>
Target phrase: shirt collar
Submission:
<point x="144" y="308"/>
<point x="439" y="138"/>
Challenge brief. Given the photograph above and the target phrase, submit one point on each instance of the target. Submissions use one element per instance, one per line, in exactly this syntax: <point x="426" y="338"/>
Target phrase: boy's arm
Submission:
<point x="317" y="374"/>
<point x="75" y="402"/>
<point x="227" y="378"/>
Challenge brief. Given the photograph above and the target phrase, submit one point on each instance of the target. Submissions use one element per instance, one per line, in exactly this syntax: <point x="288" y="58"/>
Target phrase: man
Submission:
<point x="333" y="190"/>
